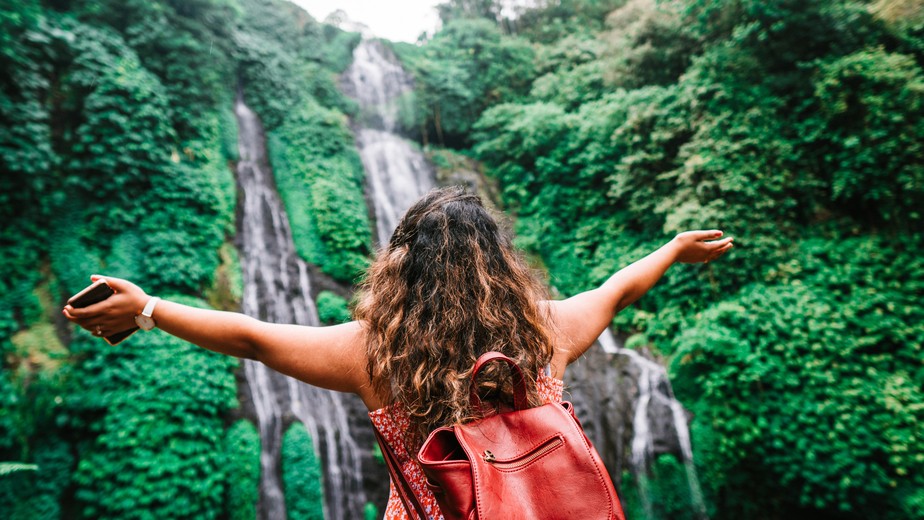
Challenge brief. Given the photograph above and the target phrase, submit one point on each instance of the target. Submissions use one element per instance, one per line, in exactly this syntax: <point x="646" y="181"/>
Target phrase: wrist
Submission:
<point x="673" y="250"/>
<point x="145" y="319"/>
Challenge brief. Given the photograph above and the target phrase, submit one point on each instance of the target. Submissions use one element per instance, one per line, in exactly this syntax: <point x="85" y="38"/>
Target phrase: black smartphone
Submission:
<point x="95" y="293"/>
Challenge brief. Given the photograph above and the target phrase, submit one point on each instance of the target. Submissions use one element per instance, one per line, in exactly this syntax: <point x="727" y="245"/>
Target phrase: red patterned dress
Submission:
<point x="392" y="422"/>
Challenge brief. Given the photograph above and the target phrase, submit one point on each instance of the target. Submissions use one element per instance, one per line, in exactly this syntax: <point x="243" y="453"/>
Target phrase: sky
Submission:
<point x="402" y="20"/>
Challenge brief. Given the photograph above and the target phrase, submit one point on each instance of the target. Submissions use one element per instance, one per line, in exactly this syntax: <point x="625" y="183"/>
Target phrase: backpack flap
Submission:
<point x="536" y="464"/>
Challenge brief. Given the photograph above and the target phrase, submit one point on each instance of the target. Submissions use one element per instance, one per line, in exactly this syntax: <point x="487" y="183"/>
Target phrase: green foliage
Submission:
<point x="301" y="475"/>
<point x="337" y="53"/>
<point x="182" y="245"/>
<point x="871" y="121"/>
<point x="796" y="128"/>
<point x="33" y="491"/>
<point x="648" y="44"/>
<point x="242" y="448"/>
<point x="320" y="175"/>
<point x="115" y="131"/>
<point x="370" y="512"/>
<point x="31" y="385"/>
<point x="332" y="309"/>
<point x="131" y="176"/>
<point x="26" y="159"/>
<point x="284" y="56"/>
<point x="666" y="487"/>
<point x="548" y="22"/>
<point x="172" y="40"/>
<point x="572" y="72"/>
<point x="228" y="289"/>
<point x="816" y="382"/>
<point x="469" y="9"/>
<point x="267" y="68"/>
<point x="118" y="147"/>
<point x="158" y="444"/>
<point x="465" y="68"/>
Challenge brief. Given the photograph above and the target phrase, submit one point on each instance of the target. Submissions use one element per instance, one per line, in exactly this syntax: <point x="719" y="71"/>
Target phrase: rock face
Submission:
<point x="605" y="389"/>
<point x="627" y="407"/>
<point x="602" y="400"/>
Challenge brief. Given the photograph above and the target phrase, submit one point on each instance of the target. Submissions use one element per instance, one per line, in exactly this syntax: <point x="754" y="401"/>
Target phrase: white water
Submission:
<point x="683" y="434"/>
<point x="653" y="381"/>
<point x="396" y="170"/>
<point x="277" y="289"/>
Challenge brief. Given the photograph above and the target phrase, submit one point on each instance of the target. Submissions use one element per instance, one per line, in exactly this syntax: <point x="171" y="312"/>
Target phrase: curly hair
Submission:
<point x="449" y="287"/>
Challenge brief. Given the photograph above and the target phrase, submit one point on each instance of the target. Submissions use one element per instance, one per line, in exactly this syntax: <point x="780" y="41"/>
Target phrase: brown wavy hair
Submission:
<point x="449" y="287"/>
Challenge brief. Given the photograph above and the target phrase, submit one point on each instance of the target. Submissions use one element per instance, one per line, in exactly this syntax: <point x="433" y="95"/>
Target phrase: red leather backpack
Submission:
<point x="528" y="463"/>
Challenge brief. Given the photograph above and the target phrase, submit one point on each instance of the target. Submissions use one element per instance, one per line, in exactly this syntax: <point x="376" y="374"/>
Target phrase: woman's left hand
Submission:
<point x="701" y="246"/>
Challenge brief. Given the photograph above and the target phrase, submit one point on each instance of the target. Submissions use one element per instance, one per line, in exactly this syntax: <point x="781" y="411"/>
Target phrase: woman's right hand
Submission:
<point x="700" y="246"/>
<point x="114" y="314"/>
<point x="330" y="357"/>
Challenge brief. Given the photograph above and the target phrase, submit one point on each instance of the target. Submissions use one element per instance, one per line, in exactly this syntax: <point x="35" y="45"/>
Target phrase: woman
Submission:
<point x="447" y="288"/>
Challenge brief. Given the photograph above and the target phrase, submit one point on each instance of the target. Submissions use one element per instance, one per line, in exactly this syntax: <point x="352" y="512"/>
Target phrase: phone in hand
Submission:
<point x="95" y="293"/>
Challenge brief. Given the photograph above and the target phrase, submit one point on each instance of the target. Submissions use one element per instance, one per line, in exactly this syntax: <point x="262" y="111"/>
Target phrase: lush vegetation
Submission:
<point x="320" y="177"/>
<point x="608" y="125"/>
<point x="332" y="309"/>
<point x="301" y="475"/>
<point x="794" y="126"/>
<point x="242" y="448"/>
<point x="116" y="136"/>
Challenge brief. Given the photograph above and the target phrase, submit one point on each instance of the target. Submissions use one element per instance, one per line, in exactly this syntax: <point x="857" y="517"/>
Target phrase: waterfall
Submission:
<point x="396" y="170"/>
<point x="277" y="288"/>
<point x="654" y="385"/>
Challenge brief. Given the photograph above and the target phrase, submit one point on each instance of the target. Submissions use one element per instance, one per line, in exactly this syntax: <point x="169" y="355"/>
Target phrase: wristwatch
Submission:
<point x="145" y="320"/>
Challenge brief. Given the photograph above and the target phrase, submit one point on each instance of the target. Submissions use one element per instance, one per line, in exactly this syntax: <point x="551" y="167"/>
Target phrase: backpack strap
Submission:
<point x="520" y="402"/>
<point x="404" y="489"/>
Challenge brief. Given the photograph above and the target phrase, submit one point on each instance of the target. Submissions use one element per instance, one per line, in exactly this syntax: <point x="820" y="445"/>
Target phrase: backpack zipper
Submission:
<point x="523" y="460"/>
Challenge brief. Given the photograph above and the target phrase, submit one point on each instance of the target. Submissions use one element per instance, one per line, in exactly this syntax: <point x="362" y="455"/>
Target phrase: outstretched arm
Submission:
<point x="579" y="320"/>
<point x="329" y="357"/>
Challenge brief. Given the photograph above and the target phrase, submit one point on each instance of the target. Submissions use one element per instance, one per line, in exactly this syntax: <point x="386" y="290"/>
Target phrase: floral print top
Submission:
<point x="392" y="422"/>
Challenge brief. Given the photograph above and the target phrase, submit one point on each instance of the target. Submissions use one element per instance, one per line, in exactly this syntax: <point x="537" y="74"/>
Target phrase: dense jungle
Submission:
<point x="599" y="128"/>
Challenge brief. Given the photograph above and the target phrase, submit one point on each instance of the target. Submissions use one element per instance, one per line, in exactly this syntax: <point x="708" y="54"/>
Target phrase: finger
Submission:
<point x="118" y="284"/>
<point x="710" y="234"/>
<point x="88" y="326"/>
<point x="90" y="312"/>
<point x="718" y="253"/>
<point x="75" y="313"/>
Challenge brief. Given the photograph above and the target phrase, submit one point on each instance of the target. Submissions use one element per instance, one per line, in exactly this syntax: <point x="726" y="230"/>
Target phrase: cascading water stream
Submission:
<point x="277" y="289"/>
<point x="396" y="170"/>
<point x="654" y="384"/>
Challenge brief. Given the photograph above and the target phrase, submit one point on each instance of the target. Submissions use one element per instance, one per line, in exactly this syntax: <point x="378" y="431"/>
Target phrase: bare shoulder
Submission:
<point x="573" y="326"/>
<point x="561" y="334"/>
<point x="354" y="338"/>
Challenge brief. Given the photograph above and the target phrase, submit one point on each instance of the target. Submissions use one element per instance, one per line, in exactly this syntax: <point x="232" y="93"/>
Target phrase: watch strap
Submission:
<point x="149" y="308"/>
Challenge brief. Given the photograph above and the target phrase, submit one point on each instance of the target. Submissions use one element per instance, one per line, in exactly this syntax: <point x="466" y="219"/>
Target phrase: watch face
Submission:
<point x="145" y="322"/>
